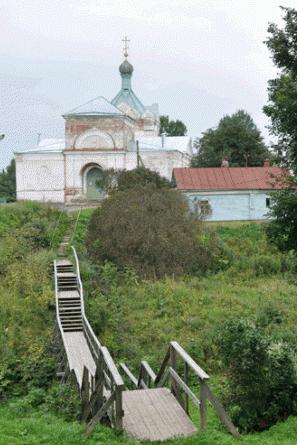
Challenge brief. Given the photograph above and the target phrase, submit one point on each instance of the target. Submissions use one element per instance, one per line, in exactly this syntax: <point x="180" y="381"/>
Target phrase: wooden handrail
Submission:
<point x="129" y="374"/>
<point x="86" y="323"/>
<point x="184" y="386"/>
<point x="108" y="360"/>
<point x="188" y="359"/>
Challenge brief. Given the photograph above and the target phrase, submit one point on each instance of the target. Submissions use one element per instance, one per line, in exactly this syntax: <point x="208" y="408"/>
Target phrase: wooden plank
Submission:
<point x="188" y="359"/>
<point x="219" y="409"/>
<point x="129" y="374"/>
<point x="112" y="367"/>
<point x="163" y="367"/>
<point x="203" y="406"/>
<point x="155" y="415"/>
<point x="148" y="370"/>
<point x="119" y="412"/>
<point x="85" y="392"/>
<point x="185" y="387"/>
<point x="186" y="380"/>
<point x="78" y="354"/>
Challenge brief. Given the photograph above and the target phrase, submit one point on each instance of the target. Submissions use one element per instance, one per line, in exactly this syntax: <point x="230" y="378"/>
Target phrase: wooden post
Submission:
<point x="119" y="409"/>
<point x="174" y="386"/>
<point x="203" y="406"/>
<point x="173" y="365"/>
<point x="186" y="380"/>
<point x="85" y="392"/>
<point x="100" y="377"/>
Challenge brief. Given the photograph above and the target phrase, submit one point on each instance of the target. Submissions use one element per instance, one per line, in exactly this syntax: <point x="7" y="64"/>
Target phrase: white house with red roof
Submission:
<point x="230" y="193"/>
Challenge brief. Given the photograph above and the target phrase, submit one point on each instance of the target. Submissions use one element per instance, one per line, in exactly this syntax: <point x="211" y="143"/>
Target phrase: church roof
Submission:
<point x="95" y="107"/>
<point x="128" y="97"/>
<point x="168" y="143"/>
<point x="49" y="145"/>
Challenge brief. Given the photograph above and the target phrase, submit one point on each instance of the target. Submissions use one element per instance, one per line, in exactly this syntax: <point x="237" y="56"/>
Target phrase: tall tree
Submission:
<point x="236" y="138"/>
<point x="8" y="183"/>
<point x="282" y="91"/>
<point x="282" y="111"/>
<point x="172" y="128"/>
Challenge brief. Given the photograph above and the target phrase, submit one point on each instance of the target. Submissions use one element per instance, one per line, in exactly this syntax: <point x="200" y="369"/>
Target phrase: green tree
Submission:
<point x="171" y="127"/>
<point x="282" y="91"/>
<point x="282" y="111"/>
<point x="236" y="138"/>
<point x="8" y="183"/>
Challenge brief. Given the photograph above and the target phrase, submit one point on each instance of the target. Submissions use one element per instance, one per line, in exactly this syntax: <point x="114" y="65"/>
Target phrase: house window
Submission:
<point x="267" y="202"/>
<point x="202" y="208"/>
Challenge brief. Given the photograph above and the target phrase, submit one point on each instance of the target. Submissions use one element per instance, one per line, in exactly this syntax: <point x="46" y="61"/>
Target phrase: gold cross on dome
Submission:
<point x="126" y="47"/>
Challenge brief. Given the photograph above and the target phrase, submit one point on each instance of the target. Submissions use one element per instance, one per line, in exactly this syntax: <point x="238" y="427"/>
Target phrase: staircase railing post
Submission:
<point x="203" y="406"/>
<point x="119" y="409"/>
<point x="186" y="380"/>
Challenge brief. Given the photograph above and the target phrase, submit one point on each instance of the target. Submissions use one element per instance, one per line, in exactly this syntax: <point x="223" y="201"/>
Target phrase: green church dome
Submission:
<point x="126" y="67"/>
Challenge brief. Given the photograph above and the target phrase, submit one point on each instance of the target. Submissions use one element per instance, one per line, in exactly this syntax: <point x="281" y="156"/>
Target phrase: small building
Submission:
<point x="229" y="193"/>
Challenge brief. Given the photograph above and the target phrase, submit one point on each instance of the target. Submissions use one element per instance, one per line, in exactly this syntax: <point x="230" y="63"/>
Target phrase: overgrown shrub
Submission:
<point x="150" y="230"/>
<point x="262" y="376"/>
<point x="120" y="180"/>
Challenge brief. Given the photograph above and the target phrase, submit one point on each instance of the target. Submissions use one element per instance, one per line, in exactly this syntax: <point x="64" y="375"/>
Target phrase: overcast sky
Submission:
<point x="199" y="59"/>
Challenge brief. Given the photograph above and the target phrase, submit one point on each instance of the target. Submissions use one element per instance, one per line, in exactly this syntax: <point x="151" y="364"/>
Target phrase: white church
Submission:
<point x="99" y="135"/>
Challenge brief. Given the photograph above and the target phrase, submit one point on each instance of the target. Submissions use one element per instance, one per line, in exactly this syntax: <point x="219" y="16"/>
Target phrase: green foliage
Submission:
<point x="171" y="127"/>
<point x="120" y="180"/>
<point x="262" y="384"/>
<point x="282" y="230"/>
<point x="282" y="91"/>
<point x="8" y="183"/>
<point x="236" y="138"/>
<point x="141" y="176"/>
<point x="150" y="230"/>
<point x="27" y="230"/>
<point x="63" y="400"/>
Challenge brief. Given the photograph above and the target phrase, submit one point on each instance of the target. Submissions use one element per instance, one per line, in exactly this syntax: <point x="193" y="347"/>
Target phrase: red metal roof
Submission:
<point x="229" y="178"/>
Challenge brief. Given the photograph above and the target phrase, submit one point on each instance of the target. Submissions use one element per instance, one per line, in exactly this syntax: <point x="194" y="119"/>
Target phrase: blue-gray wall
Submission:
<point x="233" y="205"/>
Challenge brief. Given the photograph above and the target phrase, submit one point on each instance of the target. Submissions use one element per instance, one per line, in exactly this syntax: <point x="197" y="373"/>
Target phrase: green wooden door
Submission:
<point x="93" y="190"/>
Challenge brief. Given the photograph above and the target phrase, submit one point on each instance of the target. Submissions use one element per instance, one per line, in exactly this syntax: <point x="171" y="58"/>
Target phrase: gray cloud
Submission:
<point x="200" y="59"/>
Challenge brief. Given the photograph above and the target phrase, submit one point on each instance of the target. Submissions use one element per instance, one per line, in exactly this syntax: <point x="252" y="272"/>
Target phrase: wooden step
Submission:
<point x="155" y="415"/>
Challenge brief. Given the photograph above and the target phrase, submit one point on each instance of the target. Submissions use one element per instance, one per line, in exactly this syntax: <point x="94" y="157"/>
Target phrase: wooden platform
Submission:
<point x="154" y="414"/>
<point x="78" y="354"/>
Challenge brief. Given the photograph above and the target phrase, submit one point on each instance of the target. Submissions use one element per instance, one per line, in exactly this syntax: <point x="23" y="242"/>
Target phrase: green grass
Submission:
<point x="136" y="319"/>
<point x="38" y="428"/>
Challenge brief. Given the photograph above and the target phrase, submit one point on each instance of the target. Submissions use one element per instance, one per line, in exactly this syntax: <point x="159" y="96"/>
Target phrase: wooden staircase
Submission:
<point x="69" y="301"/>
<point x="157" y="406"/>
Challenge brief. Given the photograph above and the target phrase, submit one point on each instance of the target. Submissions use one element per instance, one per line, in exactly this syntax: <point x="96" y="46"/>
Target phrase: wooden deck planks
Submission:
<point x="71" y="294"/>
<point x="154" y="414"/>
<point x="78" y="354"/>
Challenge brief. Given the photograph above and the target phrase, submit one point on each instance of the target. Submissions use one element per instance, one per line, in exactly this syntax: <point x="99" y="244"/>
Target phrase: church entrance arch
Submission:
<point x="92" y="176"/>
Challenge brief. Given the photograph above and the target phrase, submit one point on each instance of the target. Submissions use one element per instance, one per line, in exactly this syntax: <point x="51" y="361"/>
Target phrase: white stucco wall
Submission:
<point x="59" y="177"/>
<point x="233" y="205"/>
<point x="40" y="177"/>
<point x="77" y="161"/>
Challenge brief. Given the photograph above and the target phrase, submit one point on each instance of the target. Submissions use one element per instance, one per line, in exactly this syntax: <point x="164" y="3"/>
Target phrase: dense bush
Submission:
<point x="282" y="230"/>
<point x="262" y="385"/>
<point x="119" y="180"/>
<point x="150" y="230"/>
